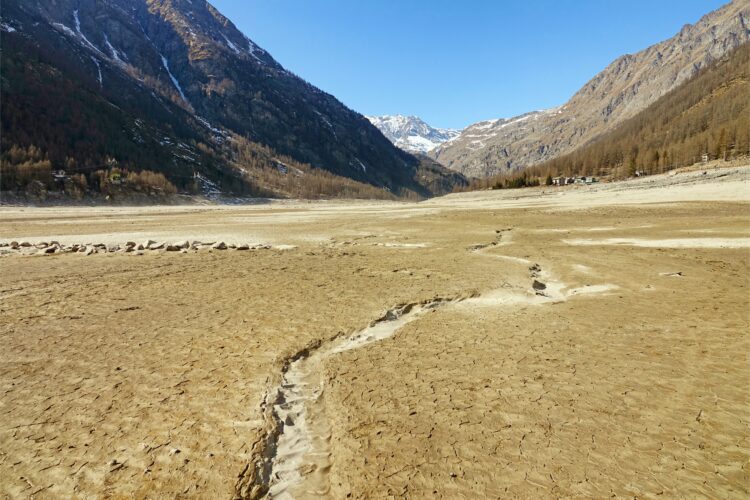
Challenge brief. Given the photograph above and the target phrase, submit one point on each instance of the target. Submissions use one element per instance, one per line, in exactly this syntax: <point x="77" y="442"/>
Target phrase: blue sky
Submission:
<point x="455" y="62"/>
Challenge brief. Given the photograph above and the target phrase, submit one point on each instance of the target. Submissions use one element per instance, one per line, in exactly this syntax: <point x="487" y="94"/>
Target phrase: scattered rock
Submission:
<point x="677" y="274"/>
<point x="538" y="285"/>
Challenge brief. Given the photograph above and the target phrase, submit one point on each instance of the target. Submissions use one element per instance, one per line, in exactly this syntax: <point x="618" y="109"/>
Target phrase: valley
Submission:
<point x="155" y="373"/>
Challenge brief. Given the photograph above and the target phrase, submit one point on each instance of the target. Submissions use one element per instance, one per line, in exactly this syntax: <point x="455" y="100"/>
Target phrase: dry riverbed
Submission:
<point x="588" y="342"/>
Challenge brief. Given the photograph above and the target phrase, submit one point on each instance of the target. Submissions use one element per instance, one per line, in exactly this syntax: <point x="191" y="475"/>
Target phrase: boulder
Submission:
<point x="173" y="248"/>
<point x="538" y="285"/>
<point x="219" y="246"/>
<point x="50" y="250"/>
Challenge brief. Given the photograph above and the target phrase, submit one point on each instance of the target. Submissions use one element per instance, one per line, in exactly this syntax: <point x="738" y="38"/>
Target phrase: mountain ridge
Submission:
<point x="626" y="86"/>
<point x="178" y="72"/>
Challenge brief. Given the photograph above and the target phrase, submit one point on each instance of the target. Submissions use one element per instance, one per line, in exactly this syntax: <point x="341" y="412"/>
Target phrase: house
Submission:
<point x="115" y="178"/>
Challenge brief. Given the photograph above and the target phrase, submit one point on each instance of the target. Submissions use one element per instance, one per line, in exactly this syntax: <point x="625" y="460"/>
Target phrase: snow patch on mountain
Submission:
<point x="411" y="133"/>
<point x="230" y="44"/>
<point x="476" y="136"/>
<point x="174" y="80"/>
<point x="80" y="33"/>
<point x="115" y="53"/>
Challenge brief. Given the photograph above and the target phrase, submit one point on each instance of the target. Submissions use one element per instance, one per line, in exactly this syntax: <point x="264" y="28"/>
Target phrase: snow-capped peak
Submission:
<point x="411" y="133"/>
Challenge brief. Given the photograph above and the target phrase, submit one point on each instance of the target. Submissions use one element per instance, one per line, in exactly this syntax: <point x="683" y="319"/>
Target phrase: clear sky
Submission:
<point x="455" y="62"/>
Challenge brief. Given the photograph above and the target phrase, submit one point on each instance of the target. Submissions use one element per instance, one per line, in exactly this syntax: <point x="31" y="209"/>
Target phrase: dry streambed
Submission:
<point x="294" y="458"/>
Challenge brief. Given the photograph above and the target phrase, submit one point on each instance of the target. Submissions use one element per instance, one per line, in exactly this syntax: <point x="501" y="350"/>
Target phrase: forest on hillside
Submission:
<point x="707" y="117"/>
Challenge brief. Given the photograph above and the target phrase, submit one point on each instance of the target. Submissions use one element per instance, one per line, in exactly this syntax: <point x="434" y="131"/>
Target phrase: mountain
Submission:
<point x="628" y="85"/>
<point x="173" y="86"/>
<point x="411" y="133"/>
<point x="705" y="118"/>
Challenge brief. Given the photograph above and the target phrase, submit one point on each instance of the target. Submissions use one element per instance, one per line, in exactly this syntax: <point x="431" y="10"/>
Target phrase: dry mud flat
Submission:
<point x="574" y="344"/>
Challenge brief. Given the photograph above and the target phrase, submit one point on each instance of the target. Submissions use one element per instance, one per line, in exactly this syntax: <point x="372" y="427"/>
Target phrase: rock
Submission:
<point x="83" y="249"/>
<point x="113" y="248"/>
<point x="25" y="244"/>
<point x="14" y="245"/>
<point x="130" y="244"/>
<point x="91" y="251"/>
<point x="182" y="244"/>
<point x="243" y="246"/>
<point x="50" y="250"/>
<point x="156" y="246"/>
<point x="538" y="285"/>
<point x="3" y="244"/>
<point x="42" y="244"/>
<point x="140" y="247"/>
<point x="55" y="243"/>
<point x="173" y="248"/>
<point x="219" y="246"/>
<point x="148" y="243"/>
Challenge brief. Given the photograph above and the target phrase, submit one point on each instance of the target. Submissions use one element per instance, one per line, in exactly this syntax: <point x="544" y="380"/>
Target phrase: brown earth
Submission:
<point x="128" y="375"/>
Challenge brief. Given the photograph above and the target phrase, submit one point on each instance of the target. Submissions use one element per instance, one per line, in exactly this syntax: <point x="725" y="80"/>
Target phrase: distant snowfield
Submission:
<point x="411" y="133"/>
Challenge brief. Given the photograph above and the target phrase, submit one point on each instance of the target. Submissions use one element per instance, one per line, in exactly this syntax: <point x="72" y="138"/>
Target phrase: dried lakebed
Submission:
<point x="294" y="458"/>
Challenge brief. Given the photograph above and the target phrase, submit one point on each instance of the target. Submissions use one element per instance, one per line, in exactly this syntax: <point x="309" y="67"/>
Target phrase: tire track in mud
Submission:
<point x="293" y="457"/>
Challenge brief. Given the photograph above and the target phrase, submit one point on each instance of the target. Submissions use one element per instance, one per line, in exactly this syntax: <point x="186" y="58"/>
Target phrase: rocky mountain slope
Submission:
<point x="170" y="85"/>
<point x="411" y="133"/>
<point x="627" y="86"/>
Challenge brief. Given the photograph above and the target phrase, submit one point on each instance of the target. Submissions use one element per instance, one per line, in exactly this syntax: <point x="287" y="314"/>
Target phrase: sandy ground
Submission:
<point x="126" y="375"/>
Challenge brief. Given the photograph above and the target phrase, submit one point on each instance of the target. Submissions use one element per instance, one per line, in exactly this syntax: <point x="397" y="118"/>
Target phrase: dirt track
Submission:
<point x="143" y="375"/>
